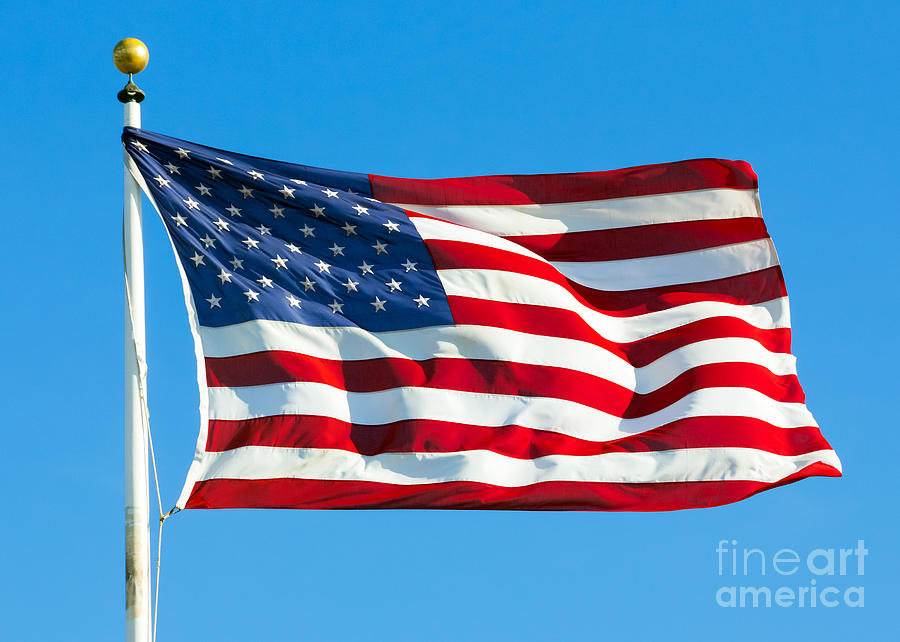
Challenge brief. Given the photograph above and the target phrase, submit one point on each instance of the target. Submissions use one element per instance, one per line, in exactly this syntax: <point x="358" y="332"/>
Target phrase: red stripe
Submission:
<point x="682" y="176"/>
<point x="643" y="240"/>
<point x="555" y="322"/>
<point x="308" y="493"/>
<point x="745" y="289"/>
<point x="434" y="436"/>
<point x="494" y="377"/>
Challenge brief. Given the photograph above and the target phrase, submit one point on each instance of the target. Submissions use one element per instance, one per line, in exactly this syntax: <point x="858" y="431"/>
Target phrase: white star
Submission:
<point x="393" y="284"/>
<point x="378" y="303"/>
<point x="279" y="262"/>
<point x="222" y="225"/>
<point x="257" y="176"/>
<point x="423" y="300"/>
<point x="214" y="173"/>
<point x="263" y="230"/>
<point x="208" y="242"/>
<point x="236" y="263"/>
<point x="293" y="248"/>
<point x="337" y="249"/>
<point x="350" y="285"/>
<point x="361" y="210"/>
<point x="366" y="268"/>
<point x="294" y="301"/>
<point x="224" y="276"/>
<point x="277" y="211"/>
<point x="329" y="193"/>
<point x="318" y="210"/>
<point x="308" y="285"/>
<point x="250" y="243"/>
<point x="409" y="265"/>
<point x="197" y="259"/>
<point x="182" y="153"/>
<point x="163" y="182"/>
<point x="392" y="227"/>
<point x="265" y="281"/>
<point x="298" y="181"/>
<point x="380" y="248"/>
<point x="323" y="266"/>
<point x="350" y="191"/>
<point x="214" y="301"/>
<point x="336" y="307"/>
<point x="139" y="145"/>
<point x="287" y="192"/>
<point x="179" y="220"/>
<point x="224" y="160"/>
<point x="203" y="189"/>
<point x="251" y="295"/>
<point x="191" y="203"/>
<point x="234" y="211"/>
<point x="173" y="169"/>
<point x="349" y="229"/>
<point x="307" y="230"/>
<point x="246" y="191"/>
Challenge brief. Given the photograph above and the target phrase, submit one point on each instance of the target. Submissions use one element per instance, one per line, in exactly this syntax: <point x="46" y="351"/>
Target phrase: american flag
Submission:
<point x="612" y="340"/>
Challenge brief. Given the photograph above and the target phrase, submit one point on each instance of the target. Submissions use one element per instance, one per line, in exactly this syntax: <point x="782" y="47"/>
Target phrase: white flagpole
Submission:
<point x="130" y="56"/>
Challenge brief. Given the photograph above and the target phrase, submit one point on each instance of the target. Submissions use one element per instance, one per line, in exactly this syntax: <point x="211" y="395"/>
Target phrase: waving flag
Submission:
<point x="604" y="341"/>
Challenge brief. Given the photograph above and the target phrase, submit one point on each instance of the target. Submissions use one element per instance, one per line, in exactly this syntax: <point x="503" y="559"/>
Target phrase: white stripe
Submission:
<point x="447" y="342"/>
<point x="727" y="350"/>
<point x="689" y="465"/>
<point x="484" y="409"/>
<point x="512" y="287"/>
<point x="626" y="274"/>
<point x="476" y="342"/>
<point x="556" y="218"/>
<point x="672" y="269"/>
<point x="430" y="229"/>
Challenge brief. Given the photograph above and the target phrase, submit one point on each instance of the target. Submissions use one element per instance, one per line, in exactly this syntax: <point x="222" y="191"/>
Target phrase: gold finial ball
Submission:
<point x="130" y="56"/>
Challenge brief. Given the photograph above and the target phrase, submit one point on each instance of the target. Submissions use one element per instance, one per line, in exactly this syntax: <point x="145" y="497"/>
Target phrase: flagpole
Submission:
<point x="130" y="56"/>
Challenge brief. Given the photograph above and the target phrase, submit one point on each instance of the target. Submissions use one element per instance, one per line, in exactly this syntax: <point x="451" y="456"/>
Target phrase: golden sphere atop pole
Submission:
<point x="130" y="56"/>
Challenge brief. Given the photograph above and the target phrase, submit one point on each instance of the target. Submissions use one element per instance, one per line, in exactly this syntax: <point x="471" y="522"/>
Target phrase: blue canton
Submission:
<point x="261" y="239"/>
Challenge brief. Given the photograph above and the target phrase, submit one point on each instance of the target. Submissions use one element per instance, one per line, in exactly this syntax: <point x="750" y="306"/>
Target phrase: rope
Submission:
<point x="162" y="520"/>
<point x="145" y="421"/>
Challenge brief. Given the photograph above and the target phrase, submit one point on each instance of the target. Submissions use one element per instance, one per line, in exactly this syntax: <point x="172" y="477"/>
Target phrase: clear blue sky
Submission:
<point x="806" y="92"/>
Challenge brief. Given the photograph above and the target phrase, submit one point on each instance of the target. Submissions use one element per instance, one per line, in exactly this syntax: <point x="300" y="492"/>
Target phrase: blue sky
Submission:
<point x="806" y="92"/>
